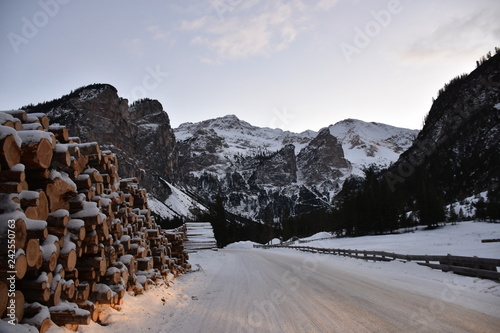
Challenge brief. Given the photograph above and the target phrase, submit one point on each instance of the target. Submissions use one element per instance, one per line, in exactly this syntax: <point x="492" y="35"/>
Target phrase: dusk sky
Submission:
<point x="292" y="64"/>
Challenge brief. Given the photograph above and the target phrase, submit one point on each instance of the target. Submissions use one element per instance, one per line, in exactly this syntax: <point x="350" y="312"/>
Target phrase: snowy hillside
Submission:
<point x="243" y="138"/>
<point x="371" y="143"/>
<point x="266" y="173"/>
<point x="177" y="205"/>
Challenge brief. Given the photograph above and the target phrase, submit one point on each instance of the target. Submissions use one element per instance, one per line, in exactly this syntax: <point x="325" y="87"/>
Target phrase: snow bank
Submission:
<point x="242" y="245"/>
<point x="462" y="239"/>
<point x="319" y="235"/>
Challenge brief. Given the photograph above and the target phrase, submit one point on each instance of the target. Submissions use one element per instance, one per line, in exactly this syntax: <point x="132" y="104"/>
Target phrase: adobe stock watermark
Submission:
<point x="11" y="272"/>
<point x="281" y="117"/>
<point x="364" y="36"/>
<point x="152" y="80"/>
<point x="31" y="26"/>
<point x="225" y="6"/>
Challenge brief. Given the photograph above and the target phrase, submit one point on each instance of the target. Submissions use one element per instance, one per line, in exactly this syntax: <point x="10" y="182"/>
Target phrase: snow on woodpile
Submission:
<point x="200" y="236"/>
<point x="82" y="236"/>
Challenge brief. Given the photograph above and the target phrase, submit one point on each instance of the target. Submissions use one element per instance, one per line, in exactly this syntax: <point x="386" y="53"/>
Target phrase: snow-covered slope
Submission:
<point x="177" y="205"/>
<point x="371" y="143"/>
<point x="264" y="172"/>
<point x="244" y="138"/>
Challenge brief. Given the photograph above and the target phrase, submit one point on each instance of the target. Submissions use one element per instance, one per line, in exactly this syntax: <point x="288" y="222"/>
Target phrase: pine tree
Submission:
<point x="219" y="223"/>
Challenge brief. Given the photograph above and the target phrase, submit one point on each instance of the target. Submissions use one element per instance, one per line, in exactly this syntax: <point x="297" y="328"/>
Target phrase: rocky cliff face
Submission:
<point x="261" y="173"/>
<point x="459" y="145"/>
<point x="269" y="174"/>
<point x="322" y="162"/>
<point x="139" y="134"/>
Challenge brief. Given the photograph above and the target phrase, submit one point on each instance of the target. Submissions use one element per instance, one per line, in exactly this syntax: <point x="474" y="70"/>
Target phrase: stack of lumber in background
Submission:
<point x="83" y="237"/>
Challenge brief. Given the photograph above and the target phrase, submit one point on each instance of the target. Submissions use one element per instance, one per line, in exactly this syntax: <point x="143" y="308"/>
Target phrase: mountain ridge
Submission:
<point x="257" y="170"/>
<point x="262" y="166"/>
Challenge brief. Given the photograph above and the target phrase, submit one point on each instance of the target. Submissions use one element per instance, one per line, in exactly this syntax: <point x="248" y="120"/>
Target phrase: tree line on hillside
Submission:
<point x="366" y="206"/>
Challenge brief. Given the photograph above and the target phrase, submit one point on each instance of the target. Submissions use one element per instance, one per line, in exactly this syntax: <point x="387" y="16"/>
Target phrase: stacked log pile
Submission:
<point x="73" y="235"/>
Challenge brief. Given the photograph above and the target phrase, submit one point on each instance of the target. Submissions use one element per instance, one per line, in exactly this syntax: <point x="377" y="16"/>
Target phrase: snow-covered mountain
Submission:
<point x="268" y="174"/>
<point x="371" y="143"/>
<point x="262" y="174"/>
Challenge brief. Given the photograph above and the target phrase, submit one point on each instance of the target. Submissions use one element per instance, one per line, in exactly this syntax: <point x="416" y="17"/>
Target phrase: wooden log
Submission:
<point x="59" y="218"/>
<point x="36" y="178"/>
<point x="18" y="114"/>
<point x="40" y="117"/>
<point x="90" y="214"/>
<point x="36" y="229"/>
<point x="7" y="120"/>
<point x="29" y="285"/>
<point x="87" y="273"/>
<point x="76" y="203"/>
<point x="61" y="157"/>
<point x="38" y="316"/>
<point x="36" y="149"/>
<point x="41" y="296"/>
<point x="69" y="290"/>
<point x="70" y="317"/>
<point x="68" y="256"/>
<point x="77" y="227"/>
<point x="75" y="139"/>
<point x="90" y="149"/>
<point x="50" y="262"/>
<point x="83" y="181"/>
<point x="15" y="174"/>
<point x="50" y="253"/>
<point x="102" y="294"/>
<point x="112" y="275"/>
<point x="32" y="127"/>
<point x="8" y="123"/>
<point x="60" y="132"/>
<point x="89" y="306"/>
<point x="58" y="231"/>
<point x="32" y="251"/>
<point x="97" y="263"/>
<point x="10" y="151"/>
<point x="13" y="187"/>
<point x="35" y="204"/>
<point x="59" y="192"/>
<point x="55" y="292"/>
<point x="95" y="175"/>
<point x="102" y="230"/>
<point x="145" y="264"/>
<point x="73" y="274"/>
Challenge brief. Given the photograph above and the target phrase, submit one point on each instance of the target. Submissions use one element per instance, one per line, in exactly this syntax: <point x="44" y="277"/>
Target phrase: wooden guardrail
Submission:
<point x="485" y="268"/>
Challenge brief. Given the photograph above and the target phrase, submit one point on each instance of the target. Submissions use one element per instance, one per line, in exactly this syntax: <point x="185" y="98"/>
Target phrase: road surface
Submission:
<point x="266" y="291"/>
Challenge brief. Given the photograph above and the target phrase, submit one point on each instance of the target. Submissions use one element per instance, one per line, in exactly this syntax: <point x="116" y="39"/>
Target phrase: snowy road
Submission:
<point x="265" y="291"/>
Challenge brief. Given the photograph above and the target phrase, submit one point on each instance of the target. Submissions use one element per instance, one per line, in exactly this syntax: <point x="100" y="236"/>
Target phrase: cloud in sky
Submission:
<point x="252" y="28"/>
<point x="156" y="32"/>
<point x="462" y="33"/>
<point x="269" y="54"/>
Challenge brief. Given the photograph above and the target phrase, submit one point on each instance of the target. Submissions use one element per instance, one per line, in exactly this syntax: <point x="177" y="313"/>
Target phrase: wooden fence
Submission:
<point x="485" y="268"/>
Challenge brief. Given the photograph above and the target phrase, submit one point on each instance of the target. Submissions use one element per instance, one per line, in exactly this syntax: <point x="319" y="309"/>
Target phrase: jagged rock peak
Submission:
<point x="147" y="110"/>
<point x="366" y="143"/>
<point x="139" y="134"/>
<point x="228" y="122"/>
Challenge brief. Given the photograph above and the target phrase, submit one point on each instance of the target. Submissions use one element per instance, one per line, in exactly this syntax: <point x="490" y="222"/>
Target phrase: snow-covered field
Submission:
<point x="168" y="309"/>
<point x="462" y="239"/>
